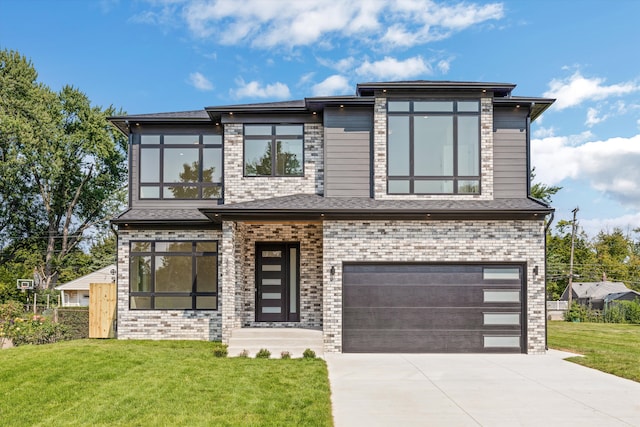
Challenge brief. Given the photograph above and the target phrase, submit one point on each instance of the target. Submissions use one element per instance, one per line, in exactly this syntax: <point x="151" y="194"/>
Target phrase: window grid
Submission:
<point x="453" y="183"/>
<point x="150" y="295"/>
<point x="162" y="146"/>
<point x="274" y="135"/>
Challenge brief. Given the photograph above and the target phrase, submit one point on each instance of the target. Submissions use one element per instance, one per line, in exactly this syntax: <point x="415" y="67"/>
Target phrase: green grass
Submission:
<point x="608" y="347"/>
<point x="164" y="383"/>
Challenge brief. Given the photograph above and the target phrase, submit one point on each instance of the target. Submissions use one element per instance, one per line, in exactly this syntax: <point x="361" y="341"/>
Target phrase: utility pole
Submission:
<point x="573" y="240"/>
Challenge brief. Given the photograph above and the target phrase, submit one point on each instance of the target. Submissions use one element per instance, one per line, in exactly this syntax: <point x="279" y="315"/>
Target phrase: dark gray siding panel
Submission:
<point x="510" y="153"/>
<point x="347" y="147"/>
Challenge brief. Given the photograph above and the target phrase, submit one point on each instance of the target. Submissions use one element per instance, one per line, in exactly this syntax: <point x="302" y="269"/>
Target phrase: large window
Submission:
<point x="173" y="275"/>
<point x="181" y="166"/>
<point x="433" y="147"/>
<point x="273" y="150"/>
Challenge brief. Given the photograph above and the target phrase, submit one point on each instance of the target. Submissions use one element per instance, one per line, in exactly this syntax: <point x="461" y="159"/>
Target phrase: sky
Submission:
<point x="147" y="56"/>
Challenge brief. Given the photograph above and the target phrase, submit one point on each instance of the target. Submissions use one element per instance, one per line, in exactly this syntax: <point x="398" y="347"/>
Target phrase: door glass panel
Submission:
<point x="271" y="254"/>
<point x="501" y="296"/>
<point x="501" y="318"/>
<point x="271" y="295"/>
<point x="501" y="341"/>
<point x="271" y="281"/>
<point x="497" y="273"/>
<point x="268" y="267"/>
<point x="293" y="279"/>
<point x="271" y="310"/>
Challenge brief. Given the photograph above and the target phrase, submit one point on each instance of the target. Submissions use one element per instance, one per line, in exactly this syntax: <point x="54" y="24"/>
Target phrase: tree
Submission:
<point x="69" y="160"/>
<point x="541" y="191"/>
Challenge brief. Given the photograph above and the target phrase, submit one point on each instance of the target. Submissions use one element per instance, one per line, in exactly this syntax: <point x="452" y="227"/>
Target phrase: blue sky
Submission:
<point x="170" y="55"/>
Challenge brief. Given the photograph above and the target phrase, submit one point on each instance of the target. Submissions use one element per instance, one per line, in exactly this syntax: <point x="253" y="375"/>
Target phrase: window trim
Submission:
<point x="161" y="185"/>
<point x="454" y="113"/>
<point x="194" y="254"/>
<point x="274" y="136"/>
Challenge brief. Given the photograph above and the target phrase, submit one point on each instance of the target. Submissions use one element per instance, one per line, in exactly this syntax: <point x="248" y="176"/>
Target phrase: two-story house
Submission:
<point x="395" y="220"/>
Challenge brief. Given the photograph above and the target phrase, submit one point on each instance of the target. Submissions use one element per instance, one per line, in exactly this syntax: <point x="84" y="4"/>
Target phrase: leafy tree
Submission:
<point x="69" y="161"/>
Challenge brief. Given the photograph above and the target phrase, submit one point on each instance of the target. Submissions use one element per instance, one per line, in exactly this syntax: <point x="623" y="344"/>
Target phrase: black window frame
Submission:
<point x="454" y="113"/>
<point x="274" y="138"/>
<point x="161" y="146"/>
<point x="195" y="255"/>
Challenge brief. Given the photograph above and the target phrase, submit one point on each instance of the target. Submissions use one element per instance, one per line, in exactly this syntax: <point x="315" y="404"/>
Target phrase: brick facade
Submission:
<point x="380" y="156"/>
<point x="238" y="188"/>
<point x="239" y="275"/>
<point x="433" y="241"/>
<point x="163" y="324"/>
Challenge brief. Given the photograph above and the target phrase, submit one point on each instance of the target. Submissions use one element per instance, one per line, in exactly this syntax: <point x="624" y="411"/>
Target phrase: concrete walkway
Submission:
<point x="477" y="390"/>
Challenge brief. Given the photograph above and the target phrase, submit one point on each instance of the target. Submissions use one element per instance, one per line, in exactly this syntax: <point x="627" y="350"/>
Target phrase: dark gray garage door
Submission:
<point x="425" y="308"/>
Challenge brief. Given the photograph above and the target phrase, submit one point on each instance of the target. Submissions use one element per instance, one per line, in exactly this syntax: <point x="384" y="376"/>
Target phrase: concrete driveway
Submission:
<point x="477" y="390"/>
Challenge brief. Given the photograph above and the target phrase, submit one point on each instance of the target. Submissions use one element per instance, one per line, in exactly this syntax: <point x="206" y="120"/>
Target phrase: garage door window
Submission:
<point x="501" y="273"/>
<point x="501" y="341"/>
<point x="493" y="295"/>
<point x="501" y="318"/>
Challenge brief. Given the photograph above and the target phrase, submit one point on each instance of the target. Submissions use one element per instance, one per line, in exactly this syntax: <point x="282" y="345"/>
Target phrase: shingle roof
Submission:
<point x="82" y="283"/>
<point x="193" y="114"/>
<point x="311" y="204"/>
<point x="598" y="290"/>
<point x="150" y="215"/>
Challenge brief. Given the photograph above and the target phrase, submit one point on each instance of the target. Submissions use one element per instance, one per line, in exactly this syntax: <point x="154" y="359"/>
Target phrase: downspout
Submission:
<point x="546" y="320"/>
<point x="115" y="323"/>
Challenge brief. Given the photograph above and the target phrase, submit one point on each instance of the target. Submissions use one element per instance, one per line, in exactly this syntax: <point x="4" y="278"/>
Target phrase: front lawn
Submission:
<point x="608" y="347"/>
<point x="94" y="382"/>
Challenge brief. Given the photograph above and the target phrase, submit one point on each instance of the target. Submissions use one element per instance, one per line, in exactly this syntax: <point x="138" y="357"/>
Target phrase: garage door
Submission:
<point x="425" y="308"/>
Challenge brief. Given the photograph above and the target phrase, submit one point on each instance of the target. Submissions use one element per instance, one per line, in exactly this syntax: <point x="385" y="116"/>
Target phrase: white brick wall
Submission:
<point x="380" y="156"/>
<point x="238" y="188"/>
<point x="163" y="324"/>
<point x="433" y="241"/>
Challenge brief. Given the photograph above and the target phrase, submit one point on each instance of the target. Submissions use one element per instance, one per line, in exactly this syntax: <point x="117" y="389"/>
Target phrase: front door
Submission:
<point x="277" y="278"/>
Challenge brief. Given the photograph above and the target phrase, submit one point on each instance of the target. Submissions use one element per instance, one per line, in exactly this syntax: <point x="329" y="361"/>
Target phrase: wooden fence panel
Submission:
<point x="102" y="310"/>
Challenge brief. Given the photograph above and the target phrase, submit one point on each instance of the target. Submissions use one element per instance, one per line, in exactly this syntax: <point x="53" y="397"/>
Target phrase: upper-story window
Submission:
<point x="273" y="150"/>
<point x="433" y="147"/>
<point x="181" y="166"/>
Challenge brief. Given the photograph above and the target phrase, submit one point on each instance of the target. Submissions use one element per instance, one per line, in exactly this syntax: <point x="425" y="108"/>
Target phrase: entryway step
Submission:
<point x="276" y="340"/>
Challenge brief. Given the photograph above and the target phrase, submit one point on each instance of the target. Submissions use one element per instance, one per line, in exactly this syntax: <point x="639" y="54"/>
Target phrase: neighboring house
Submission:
<point x="76" y="292"/>
<point x="395" y="220"/>
<point x="596" y="294"/>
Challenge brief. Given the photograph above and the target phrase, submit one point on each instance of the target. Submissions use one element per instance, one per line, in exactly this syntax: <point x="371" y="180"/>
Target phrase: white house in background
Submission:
<point x="76" y="292"/>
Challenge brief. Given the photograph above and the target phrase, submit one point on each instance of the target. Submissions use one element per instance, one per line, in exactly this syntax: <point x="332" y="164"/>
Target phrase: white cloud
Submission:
<point x="627" y="223"/>
<point x="343" y="65"/>
<point x="593" y="117"/>
<point x="609" y="166"/>
<point x="200" y="82"/>
<point x="254" y="89"/>
<point x="333" y="85"/>
<point x="543" y="132"/>
<point x="392" y="69"/>
<point x="576" y="89"/>
<point x="290" y="23"/>
<point x="444" y="65"/>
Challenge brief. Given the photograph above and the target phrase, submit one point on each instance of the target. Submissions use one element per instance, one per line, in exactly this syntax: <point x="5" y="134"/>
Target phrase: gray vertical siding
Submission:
<point x="347" y="152"/>
<point x="510" y="153"/>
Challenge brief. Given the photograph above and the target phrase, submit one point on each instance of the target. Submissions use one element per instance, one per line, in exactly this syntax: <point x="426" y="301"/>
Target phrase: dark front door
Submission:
<point x="277" y="277"/>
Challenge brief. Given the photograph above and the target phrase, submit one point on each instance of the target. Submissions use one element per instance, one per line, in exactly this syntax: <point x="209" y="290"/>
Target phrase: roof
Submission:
<point x="160" y="216"/>
<point x="82" y="283"/>
<point x="123" y="123"/>
<point x="319" y="207"/>
<point x="500" y="89"/>
<point x="598" y="290"/>
<point x="619" y="295"/>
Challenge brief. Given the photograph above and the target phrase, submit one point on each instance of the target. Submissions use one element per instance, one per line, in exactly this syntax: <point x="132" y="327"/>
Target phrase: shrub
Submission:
<point x="285" y="355"/>
<point x="75" y="320"/>
<point x="263" y="353"/>
<point x="35" y="329"/>
<point x="220" y="350"/>
<point x="10" y="310"/>
<point x="244" y="353"/>
<point x="309" y="354"/>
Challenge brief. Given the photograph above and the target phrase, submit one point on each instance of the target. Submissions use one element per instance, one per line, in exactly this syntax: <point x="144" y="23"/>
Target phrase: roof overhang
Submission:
<point x="499" y="89"/>
<point x="537" y="106"/>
